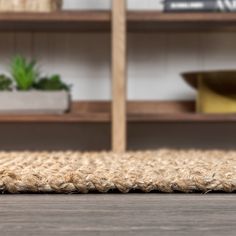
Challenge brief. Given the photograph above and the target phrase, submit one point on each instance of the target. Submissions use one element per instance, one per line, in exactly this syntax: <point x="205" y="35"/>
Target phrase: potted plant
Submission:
<point x="5" y="83"/>
<point x="27" y="92"/>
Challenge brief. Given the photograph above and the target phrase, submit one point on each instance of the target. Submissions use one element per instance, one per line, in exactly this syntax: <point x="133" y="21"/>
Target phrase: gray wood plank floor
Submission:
<point x="118" y="214"/>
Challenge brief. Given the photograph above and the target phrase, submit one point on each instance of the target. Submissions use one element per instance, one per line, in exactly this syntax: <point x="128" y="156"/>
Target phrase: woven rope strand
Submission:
<point x="75" y="172"/>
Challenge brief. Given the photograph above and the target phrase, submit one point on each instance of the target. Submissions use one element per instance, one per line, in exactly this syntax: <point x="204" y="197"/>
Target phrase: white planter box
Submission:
<point x="34" y="102"/>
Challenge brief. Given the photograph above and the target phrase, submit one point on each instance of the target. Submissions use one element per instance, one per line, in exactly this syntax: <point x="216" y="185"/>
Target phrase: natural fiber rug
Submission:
<point x="163" y="170"/>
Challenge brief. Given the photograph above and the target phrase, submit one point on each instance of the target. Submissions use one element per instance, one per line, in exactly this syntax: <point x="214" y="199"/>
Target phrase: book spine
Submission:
<point x="200" y="5"/>
<point x="226" y="5"/>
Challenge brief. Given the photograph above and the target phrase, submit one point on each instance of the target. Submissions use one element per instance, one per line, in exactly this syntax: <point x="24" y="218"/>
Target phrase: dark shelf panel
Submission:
<point x="140" y="111"/>
<point x="188" y="22"/>
<point x="80" y="112"/>
<point x="66" y="118"/>
<point x="182" y="118"/>
<point x="100" y="21"/>
<point x="172" y="112"/>
<point x="82" y="21"/>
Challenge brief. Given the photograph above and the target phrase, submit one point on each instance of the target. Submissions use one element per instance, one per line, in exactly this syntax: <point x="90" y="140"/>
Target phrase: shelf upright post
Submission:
<point x="119" y="74"/>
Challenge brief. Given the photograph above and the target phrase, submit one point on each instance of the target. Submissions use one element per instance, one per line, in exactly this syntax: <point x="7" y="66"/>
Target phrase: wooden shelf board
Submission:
<point x="138" y="21"/>
<point x="66" y="118"/>
<point x="182" y="118"/>
<point x="155" y="16"/>
<point x="84" y="21"/>
<point x="190" y="22"/>
<point x="80" y="112"/>
<point x="172" y="112"/>
<point x="140" y="111"/>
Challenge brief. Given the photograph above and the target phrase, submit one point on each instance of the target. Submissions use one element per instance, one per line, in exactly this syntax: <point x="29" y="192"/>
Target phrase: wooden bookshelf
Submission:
<point x="114" y="23"/>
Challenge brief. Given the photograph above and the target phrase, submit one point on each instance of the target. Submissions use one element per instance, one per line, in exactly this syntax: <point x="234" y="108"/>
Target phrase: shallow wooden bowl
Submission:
<point x="223" y="82"/>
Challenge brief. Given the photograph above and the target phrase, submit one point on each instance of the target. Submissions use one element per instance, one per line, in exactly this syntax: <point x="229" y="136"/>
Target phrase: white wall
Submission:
<point x="155" y="60"/>
<point x="106" y="4"/>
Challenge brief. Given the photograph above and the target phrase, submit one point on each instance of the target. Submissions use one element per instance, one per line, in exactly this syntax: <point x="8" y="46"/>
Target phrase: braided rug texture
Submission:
<point x="163" y="170"/>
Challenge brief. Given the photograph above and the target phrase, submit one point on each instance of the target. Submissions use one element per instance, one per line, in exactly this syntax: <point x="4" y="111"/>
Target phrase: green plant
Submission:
<point x="52" y="83"/>
<point x="5" y="83"/>
<point x="24" y="72"/>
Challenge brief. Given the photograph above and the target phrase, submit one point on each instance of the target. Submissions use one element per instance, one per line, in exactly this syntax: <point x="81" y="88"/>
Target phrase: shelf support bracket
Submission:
<point x="119" y="74"/>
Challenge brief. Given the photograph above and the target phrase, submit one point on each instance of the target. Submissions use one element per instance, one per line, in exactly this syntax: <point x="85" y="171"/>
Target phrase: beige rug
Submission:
<point x="163" y="170"/>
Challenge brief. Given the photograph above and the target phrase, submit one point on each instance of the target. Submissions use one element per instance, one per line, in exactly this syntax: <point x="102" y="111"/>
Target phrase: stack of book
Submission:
<point x="200" y="5"/>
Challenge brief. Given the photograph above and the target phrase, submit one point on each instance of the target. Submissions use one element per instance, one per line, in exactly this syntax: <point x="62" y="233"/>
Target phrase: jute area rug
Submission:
<point x="75" y="172"/>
